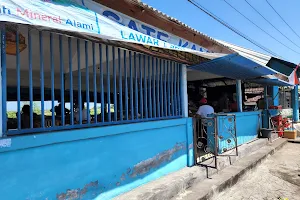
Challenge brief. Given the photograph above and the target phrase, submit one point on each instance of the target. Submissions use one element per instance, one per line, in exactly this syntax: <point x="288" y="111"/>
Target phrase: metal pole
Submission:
<point x="265" y="112"/>
<point x="275" y="95"/>
<point x="239" y="99"/>
<point x="3" y="81"/>
<point x="266" y="97"/>
<point x="284" y="101"/>
<point x="295" y="104"/>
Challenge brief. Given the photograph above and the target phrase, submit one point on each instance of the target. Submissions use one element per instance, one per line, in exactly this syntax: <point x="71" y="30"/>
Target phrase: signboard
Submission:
<point x="140" y="26"/>
<point x="74" y="16"/>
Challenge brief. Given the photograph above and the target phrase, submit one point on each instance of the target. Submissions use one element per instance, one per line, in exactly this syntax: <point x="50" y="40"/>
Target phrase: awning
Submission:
<point x="70" y="16"/>
<point x="282" y="66"/>
<point x="234" y="66"/>
<point x="270" y="80"/>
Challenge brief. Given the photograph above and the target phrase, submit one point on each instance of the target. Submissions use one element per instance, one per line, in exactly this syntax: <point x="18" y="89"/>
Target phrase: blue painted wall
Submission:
<point x="93" y="163"/>
<point x="248" y="125"/>
<point x="247" y="129"/>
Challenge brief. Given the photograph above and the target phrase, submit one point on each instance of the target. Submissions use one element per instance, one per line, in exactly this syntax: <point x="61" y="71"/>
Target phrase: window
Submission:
<point x="54" y="82"/>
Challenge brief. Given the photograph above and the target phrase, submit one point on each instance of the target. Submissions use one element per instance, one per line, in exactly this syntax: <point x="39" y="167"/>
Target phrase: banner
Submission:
<point x="72" y="16"/>
<point x="140" y="26"/>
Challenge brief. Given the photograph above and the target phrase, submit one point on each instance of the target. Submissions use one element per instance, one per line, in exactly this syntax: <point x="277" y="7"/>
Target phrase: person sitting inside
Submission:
<point x="25" y="116"/>
<point x="57" y="110"/>
<point x="204" y="109"/>
<point x="83" y="113"/>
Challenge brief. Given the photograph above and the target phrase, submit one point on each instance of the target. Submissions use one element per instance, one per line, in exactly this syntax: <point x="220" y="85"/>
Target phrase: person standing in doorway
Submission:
<point x="233" y="104"/>
<point x="203" y="112"/>
<point x="204" y="109"/>
<point x="224" y="103"/>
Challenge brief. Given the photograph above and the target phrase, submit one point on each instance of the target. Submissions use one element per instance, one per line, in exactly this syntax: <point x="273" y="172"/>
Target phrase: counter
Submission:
<point x="229" y="127"/>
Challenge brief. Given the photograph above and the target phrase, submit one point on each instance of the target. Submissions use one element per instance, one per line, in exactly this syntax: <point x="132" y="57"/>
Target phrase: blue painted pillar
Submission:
<point x="185" y="112"/>
<point x="275" y="95"/>
<point x="266" y="97"/>
<point x="295" y="104"/>
<point x="184" y="94"/>
<point x="265" y="112"/>
<point x="2" y="60"/>
<point x="190" y="142"/>
<point x="239" y="94"/>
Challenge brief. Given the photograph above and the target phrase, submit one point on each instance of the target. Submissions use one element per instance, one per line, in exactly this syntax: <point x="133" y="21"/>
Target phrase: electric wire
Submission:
<point x="215" y="17"/>
<point x="282" y="19"/>
<point x="260" y="27"/>
<point x="271" y="24"/>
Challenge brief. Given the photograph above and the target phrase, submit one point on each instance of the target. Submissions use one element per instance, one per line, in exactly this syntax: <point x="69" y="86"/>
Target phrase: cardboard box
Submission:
<point x="290" y="134"/>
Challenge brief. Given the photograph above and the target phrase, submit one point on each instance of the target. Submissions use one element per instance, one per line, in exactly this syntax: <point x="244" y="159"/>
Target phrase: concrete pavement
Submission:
<point x="276" y="178"/>
<point x="170" y="186"/>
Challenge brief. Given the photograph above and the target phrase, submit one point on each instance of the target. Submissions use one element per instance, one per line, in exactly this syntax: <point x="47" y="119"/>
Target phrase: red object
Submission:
<point x="276" y="107"/>
<point x="233" y="107"/>
<point x="286" y="123"/>
<point x="203" y="101"/>
<point x="277" y="118"/>
<point x="293" y="79"/>
<point x="280" y="124"/>
<point x="280" y="133"/>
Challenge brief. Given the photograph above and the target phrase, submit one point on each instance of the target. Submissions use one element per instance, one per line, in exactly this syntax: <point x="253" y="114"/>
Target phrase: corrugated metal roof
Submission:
<point x="161" y="14"/>
<point x="257" y="57"/>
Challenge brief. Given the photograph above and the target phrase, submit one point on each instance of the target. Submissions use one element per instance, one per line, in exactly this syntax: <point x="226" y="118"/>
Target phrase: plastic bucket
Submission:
<point x="265" y="133"/>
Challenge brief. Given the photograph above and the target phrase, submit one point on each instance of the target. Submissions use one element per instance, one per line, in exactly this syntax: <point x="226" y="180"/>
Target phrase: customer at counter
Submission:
<point x="224" y="102"/>
<point x="204" y="109"/>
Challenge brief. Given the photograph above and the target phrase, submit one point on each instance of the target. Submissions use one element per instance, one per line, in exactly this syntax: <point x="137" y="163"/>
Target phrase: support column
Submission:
<point x="265" y="114"/>
<point x="2" y="65"/>
<point x="185" y="114"/>
<point x="275" y="95"/>
<point x="295" y="104"/>
<point x="184" y="94"/>
<point x="239" y="96"/>
<point x="266" y="97"/>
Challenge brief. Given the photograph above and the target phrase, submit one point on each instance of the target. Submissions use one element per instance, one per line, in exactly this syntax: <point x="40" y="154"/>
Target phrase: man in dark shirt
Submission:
<point x="224" y="103"/>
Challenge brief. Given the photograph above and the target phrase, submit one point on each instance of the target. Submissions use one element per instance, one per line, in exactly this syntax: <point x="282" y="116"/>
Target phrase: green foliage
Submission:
<point x="37" y="110"/>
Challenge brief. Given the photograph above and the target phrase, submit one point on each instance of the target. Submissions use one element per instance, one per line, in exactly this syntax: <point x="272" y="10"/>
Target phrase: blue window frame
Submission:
<point x="56" y="82"/>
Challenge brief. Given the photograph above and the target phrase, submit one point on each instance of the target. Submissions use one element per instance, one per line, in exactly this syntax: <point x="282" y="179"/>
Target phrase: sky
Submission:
<point x="195" y="18"/>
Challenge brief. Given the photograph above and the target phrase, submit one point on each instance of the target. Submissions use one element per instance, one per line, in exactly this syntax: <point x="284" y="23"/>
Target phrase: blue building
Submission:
<point x="101" y="101"/>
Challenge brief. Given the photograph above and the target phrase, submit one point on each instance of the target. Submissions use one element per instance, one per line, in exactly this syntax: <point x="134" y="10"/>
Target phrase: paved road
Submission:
<point x="277" y="177"/>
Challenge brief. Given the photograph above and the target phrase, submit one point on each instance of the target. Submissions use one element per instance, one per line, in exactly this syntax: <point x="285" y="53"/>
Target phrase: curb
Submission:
<point x="232" y="174"/>
<point x="294" y="141"/>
